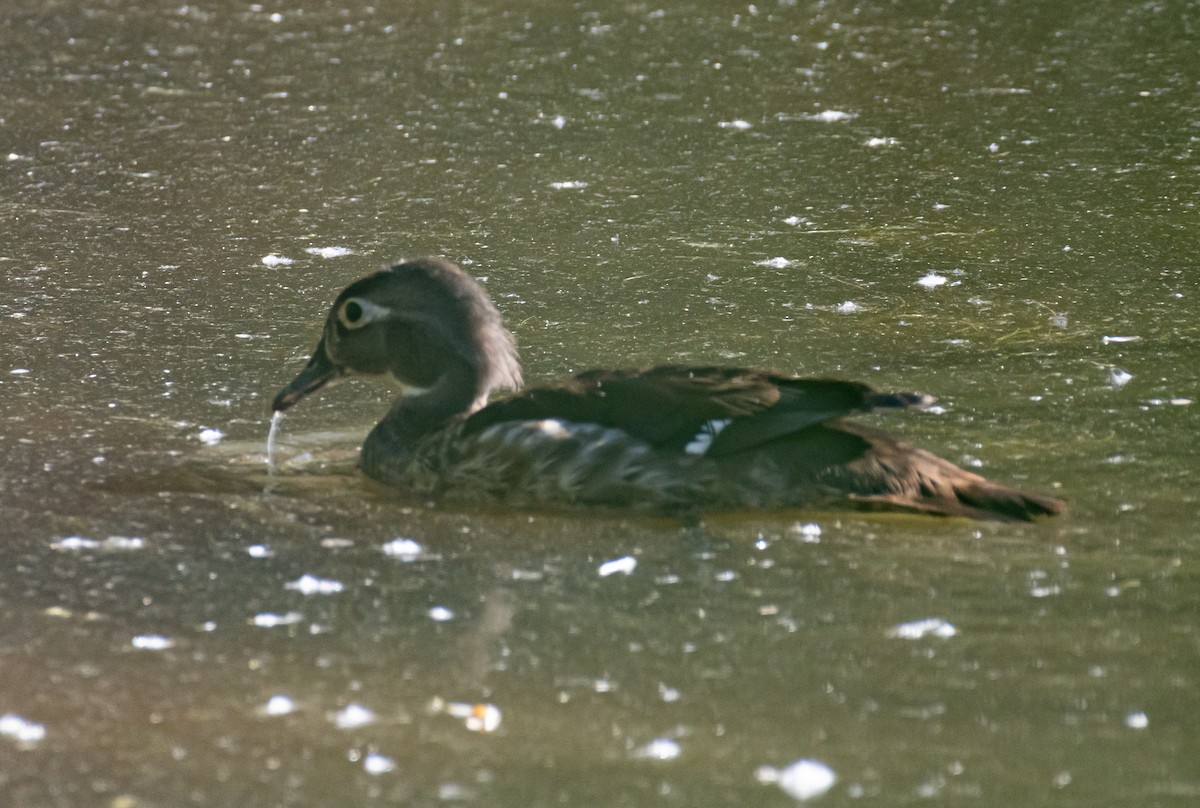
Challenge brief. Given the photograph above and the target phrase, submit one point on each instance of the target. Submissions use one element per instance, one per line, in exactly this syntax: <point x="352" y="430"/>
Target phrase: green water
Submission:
<point x="708" y="182"/>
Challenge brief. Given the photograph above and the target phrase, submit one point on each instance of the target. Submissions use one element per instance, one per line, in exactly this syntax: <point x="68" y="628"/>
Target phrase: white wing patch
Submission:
<point x="552" y="428"/>
<point x="703" y="439"/>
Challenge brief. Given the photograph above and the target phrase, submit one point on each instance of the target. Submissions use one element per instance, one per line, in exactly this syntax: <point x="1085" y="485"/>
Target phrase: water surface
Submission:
<point x="186" y="188"/>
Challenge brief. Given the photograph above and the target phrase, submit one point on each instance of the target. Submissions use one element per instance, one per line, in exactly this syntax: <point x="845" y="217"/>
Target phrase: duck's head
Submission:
<point x="426" y="323"/>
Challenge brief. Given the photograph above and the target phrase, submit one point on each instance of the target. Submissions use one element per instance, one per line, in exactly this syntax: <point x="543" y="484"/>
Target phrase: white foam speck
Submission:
<point x="375" y="763"/>
<point x="809" y="532"/>
<point x="804" y="779"/>
<point x="211" y="437"/>
<point x="831" y="116"/>
<point x="849" y="307"/>
<point x="312" y="585"/>
<point x="403" y="549"/>
<point x="779" y="262"/>
<point x="329" y="252"/>
<point x="737" y="125"/>
<point x="1137" y="720"/>
<point x="440" y="614"/>
<point x="273" y="260"/>
<point x="268" y="620"/>
<point x="931" y="280"/>
<point x="19" y="371"/>
<point x="477" y="717"/>
<point x="21" y="730"/>
<point x="278" y="705"/>
<point x="151" y="642"/>
<point x="625" y="565"/>
<point x="75" y="543"/>
<point x="353" y="716"/>
<point x="1111" y="340"/>
<point x="568" y="185"/>
<point x="917" y="629"/>
<point x="1119" y="378"/>
<point x="879" y="142"/>
<point x="659" y="749"/>
<point x="259" y="551"/>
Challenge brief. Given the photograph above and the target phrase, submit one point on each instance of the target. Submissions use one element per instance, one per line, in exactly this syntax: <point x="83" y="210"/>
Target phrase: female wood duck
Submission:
<point x="668" y="438"/>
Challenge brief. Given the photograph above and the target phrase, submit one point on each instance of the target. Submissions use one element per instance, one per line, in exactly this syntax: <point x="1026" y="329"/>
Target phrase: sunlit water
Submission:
<point x="993" y="204"/>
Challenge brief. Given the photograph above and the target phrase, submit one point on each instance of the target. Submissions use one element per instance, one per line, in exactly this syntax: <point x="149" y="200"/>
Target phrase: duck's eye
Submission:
<point x="352" y="314"/>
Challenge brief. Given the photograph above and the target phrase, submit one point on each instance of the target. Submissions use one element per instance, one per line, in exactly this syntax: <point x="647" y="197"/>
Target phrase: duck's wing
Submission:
<point x="702" y="410"/>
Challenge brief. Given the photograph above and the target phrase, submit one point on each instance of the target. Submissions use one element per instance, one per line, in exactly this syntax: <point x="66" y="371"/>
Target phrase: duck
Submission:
<point x="671" y="438"/>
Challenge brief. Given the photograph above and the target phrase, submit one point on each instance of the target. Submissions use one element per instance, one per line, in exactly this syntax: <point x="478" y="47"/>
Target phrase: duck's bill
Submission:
<point x="319" y="372"/>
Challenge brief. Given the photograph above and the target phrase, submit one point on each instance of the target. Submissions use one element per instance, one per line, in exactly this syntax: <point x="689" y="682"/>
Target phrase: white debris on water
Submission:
<point x="809" y="532"/>
<point x="658" y="749"/>
<point x="805" y="779"/>
<point x="211" y="437"/>
<point x="931" y="280"/>
<point x="375" y="763"/>
<point x="1119" y="378"/>
<point x="311" y="585"/>
<point x="353" y="716"/>
<point x="259" y="551"/>
<point x="1137" y="720"/>
<point x="403" y="549"/>
<point x="625" y="565"/>
<point x="779" y="262"/>
<point x="918" y="629"/>
<point x="830" y="116"/>
<point x="273" y="260"/>
<point x="1111" y="340"/>
<point x="478" y="717"/>
<point x="849" y="307"/>
<point x="268" y="620"/>
<point x="568" y="185"/>
<point x="21" y="730"/>
<point x="278" y="705"/>
<point x="878" y="142"/>
<point x="440" y="614"/>
<point x="329" y="252"/>
<point x="152" y="642"/>
<point x="76" y="543"/>
<point x="737" y="125"/>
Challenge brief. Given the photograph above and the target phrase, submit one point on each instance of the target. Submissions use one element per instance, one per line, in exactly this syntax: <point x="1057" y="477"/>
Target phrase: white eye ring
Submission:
<point x="356" y="312"/>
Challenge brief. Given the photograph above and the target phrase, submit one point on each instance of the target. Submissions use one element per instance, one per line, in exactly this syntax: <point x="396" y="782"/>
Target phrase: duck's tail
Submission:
<point x="996" y="501"/>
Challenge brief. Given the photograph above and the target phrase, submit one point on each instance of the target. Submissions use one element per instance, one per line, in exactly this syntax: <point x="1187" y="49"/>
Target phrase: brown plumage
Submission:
<point x="673" y="438"/>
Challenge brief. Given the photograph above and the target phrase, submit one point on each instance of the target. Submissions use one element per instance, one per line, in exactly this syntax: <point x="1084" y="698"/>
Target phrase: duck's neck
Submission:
<point x="389" y="447"/>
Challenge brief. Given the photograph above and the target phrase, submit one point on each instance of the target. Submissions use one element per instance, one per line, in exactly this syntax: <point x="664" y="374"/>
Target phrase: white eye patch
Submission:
<point x="356" y="312"/>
